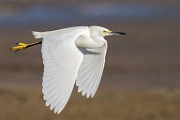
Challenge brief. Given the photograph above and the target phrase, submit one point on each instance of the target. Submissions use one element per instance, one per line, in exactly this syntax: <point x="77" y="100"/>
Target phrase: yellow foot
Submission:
<point x="19" y="46"/>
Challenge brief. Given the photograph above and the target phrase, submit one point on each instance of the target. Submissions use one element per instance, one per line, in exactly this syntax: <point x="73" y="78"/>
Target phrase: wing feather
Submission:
<point x="61" y="59"/>
<point x="90" y="71"/>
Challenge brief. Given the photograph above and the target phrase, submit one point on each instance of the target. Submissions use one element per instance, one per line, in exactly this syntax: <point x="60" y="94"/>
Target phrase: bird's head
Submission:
<point x="103" y="32"/>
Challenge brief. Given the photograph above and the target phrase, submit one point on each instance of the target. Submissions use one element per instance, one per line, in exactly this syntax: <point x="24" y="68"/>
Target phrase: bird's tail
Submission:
<point x="38" y="35"/>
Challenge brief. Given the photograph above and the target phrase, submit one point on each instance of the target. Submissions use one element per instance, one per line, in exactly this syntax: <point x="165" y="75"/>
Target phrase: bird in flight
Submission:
<point x="74" y="55"/>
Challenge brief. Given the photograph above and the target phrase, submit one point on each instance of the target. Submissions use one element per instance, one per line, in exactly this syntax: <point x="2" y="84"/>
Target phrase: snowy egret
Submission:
<point x="71" y="55"/>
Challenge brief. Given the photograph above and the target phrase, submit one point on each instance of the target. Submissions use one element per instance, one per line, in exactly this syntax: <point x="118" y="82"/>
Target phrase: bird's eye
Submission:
<point x="105" y="32"/>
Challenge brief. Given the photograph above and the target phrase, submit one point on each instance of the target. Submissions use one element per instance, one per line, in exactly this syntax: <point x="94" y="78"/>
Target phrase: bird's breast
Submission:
<point x="88" y="42"/>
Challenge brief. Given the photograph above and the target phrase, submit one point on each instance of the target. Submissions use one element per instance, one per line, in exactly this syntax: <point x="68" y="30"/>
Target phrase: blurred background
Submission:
<point x="142" y="74"/>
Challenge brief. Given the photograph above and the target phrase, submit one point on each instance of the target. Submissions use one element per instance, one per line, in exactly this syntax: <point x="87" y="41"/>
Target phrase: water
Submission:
<point x="45" y="15"/>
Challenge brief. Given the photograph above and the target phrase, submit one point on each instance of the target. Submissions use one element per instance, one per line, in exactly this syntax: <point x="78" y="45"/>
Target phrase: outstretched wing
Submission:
<point x="91" y="69"/>
<point x="61" y="59"/>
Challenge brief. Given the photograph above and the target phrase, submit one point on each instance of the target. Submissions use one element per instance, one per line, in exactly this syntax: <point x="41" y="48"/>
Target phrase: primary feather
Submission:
<point x="61" y="60"/>
<point x="90" y="71"/>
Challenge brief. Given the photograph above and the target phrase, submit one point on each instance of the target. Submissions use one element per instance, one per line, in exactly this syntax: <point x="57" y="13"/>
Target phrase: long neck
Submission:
<point x="98" y="40"/>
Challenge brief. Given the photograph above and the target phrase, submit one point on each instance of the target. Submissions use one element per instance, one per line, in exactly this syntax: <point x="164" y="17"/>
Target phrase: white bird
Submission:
<point x="71" y="55"/>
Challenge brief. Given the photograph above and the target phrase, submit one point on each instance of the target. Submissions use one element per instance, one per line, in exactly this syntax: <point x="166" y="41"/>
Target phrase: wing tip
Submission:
<point x="53" y="108"/>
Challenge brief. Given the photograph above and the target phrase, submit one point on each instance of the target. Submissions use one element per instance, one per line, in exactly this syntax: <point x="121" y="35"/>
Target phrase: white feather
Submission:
<point x="91" y="69"/>
<point x="65" y="62"/>
<point x="61" y="60"/>
<point x="37" y="35"/>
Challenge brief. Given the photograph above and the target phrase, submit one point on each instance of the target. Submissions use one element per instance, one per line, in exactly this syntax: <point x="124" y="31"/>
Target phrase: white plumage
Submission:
<point x="75" y="54"/>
